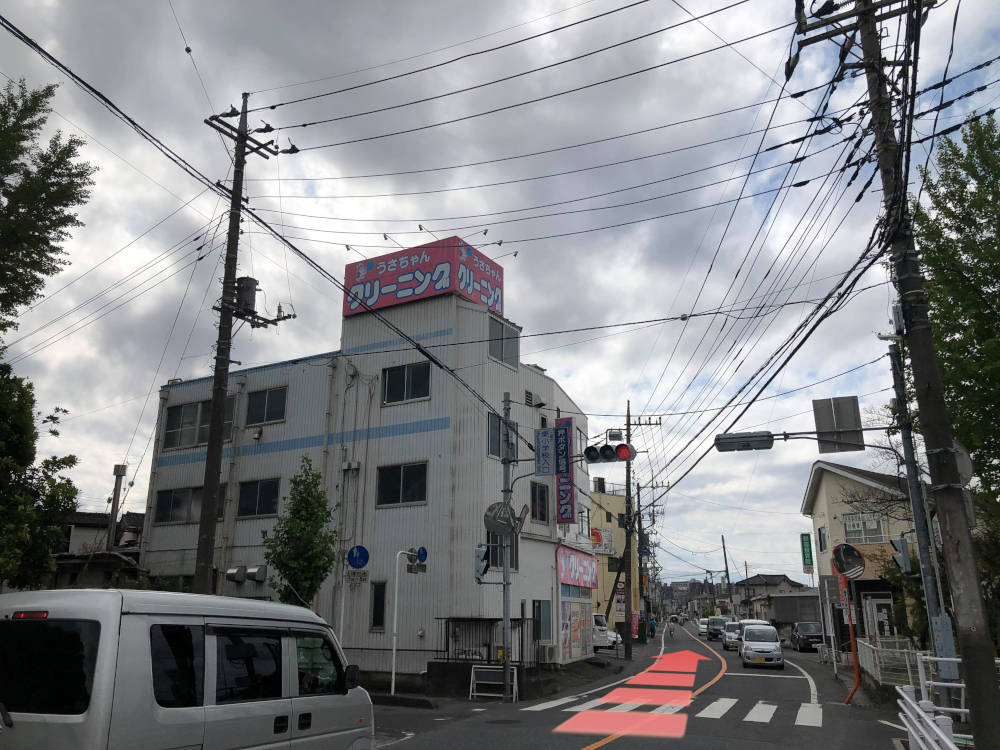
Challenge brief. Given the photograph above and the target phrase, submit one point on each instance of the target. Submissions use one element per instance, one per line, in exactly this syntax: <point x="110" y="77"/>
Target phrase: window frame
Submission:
<point x="192" y="503"/>
<point x="498" y="347"/>
<point x="379" y="503"/>
<point x="258" y="514"/>
<point x="201" y="422"/>
<point x="408" y="370"/>
<point x="861" y="535"/>
<point x="543" y="489"/>
<point x="267" y="395"/>
<point x="222" y="631"/>
<point x="197" y="640"/>
<point x="821" y="541"/>
<point x="496" y="429"/>
<point x="340" y="667"/>
<point x="496" y="558"/>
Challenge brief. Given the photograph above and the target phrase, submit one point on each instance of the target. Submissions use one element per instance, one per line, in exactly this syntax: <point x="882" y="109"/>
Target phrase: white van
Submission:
<point x="151" y="670"/>
<point x="600" y="636"/>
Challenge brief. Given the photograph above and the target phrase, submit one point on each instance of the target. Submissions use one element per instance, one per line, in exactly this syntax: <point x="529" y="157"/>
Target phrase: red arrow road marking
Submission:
<point x="648" y="696"/>
<point x="667" y="726"/>
<point x="678" y="661"/>
<point x="663" y="679"/>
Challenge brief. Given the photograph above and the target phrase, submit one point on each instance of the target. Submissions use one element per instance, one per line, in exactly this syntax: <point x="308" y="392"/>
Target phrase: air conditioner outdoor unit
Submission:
<point x="548" y="653"/>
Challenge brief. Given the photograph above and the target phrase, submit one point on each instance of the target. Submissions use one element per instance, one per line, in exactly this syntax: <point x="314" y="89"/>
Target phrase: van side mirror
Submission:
<point x="352" y="677"/>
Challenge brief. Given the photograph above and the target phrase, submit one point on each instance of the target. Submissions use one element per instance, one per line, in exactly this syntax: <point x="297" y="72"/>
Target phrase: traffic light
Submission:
<point x="482" y="561"/>
<point x="744" y="441"/>
<point x="607" y="453"/>
<point x="902" y="556"/>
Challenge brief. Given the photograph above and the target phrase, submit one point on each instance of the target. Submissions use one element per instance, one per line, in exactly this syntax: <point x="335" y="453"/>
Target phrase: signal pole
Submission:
<point x="629" y="526"/>
<point x="203" y="578"/>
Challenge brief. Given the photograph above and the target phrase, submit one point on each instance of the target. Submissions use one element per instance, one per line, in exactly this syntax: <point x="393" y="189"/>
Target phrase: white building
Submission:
<point x="409" y="457"/>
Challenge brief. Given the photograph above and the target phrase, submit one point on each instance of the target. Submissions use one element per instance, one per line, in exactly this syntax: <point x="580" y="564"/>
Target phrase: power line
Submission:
<point x="547" y="97"/>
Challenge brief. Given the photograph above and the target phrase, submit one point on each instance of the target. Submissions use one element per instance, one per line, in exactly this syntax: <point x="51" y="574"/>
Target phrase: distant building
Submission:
<point x="86" y="562"/>
<point x="409" y="458"/>
<point x="762" y="584"/>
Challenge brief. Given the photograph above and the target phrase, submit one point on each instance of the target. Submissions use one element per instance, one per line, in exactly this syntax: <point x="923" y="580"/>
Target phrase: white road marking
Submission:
<point x="479" y="709"/>
<point x="623" y="707"/>
<point x="812" y="682"/>
<point x="765" y="674"/>
<point x="409" y="736"/>
<point x="586" y="706"/>
<point x="890" y="724"/>
<point x="552" y="704"/>
<point x="667" y="709"/>
<point x="717" y="709"/>
<point x="761" y="713"/>
<point x="809" y="715"/>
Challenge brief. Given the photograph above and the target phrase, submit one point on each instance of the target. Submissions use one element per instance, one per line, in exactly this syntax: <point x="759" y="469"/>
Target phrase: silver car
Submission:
<point x="731" y="636"/>
<point x="761" y="647"/>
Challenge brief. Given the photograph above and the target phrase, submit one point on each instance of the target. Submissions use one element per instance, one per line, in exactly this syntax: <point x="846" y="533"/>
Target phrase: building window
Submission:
<point x="541" y="615"/>
<point x="613" y="564"/>
<point x="187" y="424"/>
<point x="177" y="653"/>
<point x="406" y="382"/>
<point x="258" y="498"/>
<point x="495" y="436"/>
<point x="503" y="342"/>
<point x="543" y="421"/>
<point x="529" y="398"/>
<point x="607" y="516"/>
<point x="863" y="528"/>
<point x="539" y="502"/>
<point x="495" y="543"/>
<point x="821" y="538"/>
<point x="173" y="506"/>
<point x="266" y="406"/>
<point x="248" y="665"/>
<point x="403" y="483"/>
<point x="378" y="605"/>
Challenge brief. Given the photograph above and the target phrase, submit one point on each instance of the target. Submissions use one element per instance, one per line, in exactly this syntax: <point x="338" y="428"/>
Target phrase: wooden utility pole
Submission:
<point x="203" y="569"/>
<point x="729" y="584"/>
<point x="629" y="527"/>
<point x="975" y="644"/>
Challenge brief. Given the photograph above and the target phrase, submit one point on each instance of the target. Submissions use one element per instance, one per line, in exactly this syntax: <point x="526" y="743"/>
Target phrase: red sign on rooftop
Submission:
<point x="440" y="267"/>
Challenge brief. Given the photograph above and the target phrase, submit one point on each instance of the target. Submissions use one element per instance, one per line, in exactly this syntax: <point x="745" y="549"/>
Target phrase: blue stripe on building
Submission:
<point x="312" y="441"/>
<point x="396" y="342"/>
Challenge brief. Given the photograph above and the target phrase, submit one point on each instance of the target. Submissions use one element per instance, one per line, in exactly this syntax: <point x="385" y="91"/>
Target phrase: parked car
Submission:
<point x="614" y="639"/>
<point x="760" y="646"/>
<point x="715" y="627"/>
<point x="703" y="626"/>
<point x="109" y="670"/>
<point x="730" y="636"/>
<point x="806" y="636"/>
<point x="600" y="631"/>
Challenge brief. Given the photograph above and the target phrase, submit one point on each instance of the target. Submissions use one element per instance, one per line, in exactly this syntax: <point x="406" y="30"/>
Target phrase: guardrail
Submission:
<point x="889" y="666"/>
<point x="924" y="729"/>
<point x="929" y="687"/>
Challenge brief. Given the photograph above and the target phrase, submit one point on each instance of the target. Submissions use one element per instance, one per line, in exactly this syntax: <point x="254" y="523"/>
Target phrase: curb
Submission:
<point x="409" y="701"/>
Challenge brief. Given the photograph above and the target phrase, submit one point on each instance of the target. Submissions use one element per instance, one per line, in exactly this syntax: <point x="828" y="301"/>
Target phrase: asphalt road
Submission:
<point x="692" y="694"/>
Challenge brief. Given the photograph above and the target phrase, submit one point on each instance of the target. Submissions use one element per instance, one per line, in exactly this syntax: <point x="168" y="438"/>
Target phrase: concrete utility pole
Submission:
<point x="506" y="539"/>
<point x="203" y="577"/>
<point x="115" y="499"/>
<point x="975" y="644"/>
<point x="629" y="526"/>
<point x="729" y="586"/>
<point x="643" y="613"/>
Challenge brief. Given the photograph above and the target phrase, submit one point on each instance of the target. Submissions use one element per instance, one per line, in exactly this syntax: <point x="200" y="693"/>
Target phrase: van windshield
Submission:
<point x="761" y="635"/>
<point x="717" y="622"/>
<point x="810" y="628"/>
<point x="600" y="622"/>
<point x="47" y="666"/>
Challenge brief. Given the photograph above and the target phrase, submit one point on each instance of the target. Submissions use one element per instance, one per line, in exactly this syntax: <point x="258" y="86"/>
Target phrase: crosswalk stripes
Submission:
<point x="762" y="712"/>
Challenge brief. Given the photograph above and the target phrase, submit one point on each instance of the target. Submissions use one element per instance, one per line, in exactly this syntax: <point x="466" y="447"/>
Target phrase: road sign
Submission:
<point x="838" y="424"/>
<point x="416" y="567"/>
<point x="499" y="518"/>
<point x="355" y="577"/>
<point x="422" y="555"/>
<point x="357" y="557"/>
<point x="545" y="452"/>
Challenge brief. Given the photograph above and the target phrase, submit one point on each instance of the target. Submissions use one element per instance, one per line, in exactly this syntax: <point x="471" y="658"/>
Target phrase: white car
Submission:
<point x="614" y="639"/>
<point x="703" y="627"/>
<point x="761" y="646"/>
<point x="111" y="670"/>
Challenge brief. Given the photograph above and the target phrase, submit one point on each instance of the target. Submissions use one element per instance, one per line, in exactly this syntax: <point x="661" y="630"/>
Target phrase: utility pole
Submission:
<point x="629" y="526"/>
<point x="203" y="578"/>
<point x="975" y="644"/>
<point x="746" y="586"/>
<point x="113" y="521"/>
<point x="643" y="613"/>
<point x="506" y="539"/>
<point x="729" y="584"/>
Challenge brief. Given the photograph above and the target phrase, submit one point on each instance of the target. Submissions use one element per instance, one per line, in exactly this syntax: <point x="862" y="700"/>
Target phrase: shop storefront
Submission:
<point x="577" y="580"/>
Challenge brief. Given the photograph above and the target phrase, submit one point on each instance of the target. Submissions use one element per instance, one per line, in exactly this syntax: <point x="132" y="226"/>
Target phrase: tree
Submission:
<point x="302" y="547"/>
<point x="958" y="235"/>
<point x="39" y="188"/>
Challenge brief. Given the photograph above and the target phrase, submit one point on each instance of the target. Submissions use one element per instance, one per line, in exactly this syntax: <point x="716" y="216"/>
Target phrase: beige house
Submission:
<point x="607" y="503"/>
<point x="864" y="509"/>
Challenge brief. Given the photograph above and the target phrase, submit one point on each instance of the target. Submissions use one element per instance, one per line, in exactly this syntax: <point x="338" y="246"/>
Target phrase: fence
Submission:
<point x="889" y="664"/>
<point x="481" y="641"/>
<point x="924" y="729"/>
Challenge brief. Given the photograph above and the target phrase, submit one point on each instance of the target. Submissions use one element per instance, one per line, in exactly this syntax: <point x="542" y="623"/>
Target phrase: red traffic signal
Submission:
<point x="608" y="453"/>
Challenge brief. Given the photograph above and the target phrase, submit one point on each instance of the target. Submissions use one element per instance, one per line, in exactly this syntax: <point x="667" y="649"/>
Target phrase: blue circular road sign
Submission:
<point x="422" y="554"/>
<point x="357" y="557"/>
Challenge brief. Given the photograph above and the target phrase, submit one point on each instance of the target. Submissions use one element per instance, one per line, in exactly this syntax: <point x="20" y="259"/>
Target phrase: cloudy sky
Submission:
<point x="614" y="176"/>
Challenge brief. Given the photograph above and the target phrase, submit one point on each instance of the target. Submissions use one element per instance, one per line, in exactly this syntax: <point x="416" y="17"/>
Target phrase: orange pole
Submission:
<point x="854" y="647"/>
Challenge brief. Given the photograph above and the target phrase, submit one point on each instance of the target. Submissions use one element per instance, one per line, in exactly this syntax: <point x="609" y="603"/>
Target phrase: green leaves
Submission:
<point x="302" y="547"/>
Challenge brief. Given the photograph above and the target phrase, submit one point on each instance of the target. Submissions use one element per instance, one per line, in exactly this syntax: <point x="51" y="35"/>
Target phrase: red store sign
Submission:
<point x="576" y="568"/>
